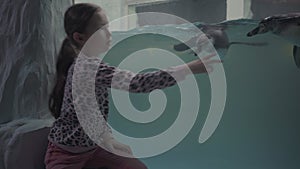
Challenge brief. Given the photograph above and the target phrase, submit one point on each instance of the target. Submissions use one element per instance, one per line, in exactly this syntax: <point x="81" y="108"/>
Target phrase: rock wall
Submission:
<point x="31" y="32"/>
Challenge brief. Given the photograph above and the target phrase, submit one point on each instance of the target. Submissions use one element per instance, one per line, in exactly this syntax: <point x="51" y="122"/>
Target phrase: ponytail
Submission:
<point x="76" y="19"/>
<point x="65" y="59"/>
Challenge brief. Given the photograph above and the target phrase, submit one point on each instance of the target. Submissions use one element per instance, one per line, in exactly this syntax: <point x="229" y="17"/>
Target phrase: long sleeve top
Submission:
<point x="67" y="129"/>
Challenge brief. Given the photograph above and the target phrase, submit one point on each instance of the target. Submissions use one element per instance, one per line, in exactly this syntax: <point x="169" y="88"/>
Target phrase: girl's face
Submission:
<point x="97" y="37"/>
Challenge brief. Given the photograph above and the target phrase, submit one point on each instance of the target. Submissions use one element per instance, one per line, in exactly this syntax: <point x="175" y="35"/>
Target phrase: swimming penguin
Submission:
<point x="286" y="26"/>
<point x="218" y="37"/>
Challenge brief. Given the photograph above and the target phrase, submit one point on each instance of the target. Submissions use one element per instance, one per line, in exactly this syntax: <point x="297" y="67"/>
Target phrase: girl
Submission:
<point x="69" y="146"/>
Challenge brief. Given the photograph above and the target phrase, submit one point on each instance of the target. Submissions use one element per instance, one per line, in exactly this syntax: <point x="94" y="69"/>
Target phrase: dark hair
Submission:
<point x="76" y="19"/>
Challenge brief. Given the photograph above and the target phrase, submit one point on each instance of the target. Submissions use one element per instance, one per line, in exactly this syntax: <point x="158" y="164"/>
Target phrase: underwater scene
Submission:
<point x="260" y="123"/>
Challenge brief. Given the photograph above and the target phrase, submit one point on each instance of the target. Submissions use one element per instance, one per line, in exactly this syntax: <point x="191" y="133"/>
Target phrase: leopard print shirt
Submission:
<point x="68" y="131"/>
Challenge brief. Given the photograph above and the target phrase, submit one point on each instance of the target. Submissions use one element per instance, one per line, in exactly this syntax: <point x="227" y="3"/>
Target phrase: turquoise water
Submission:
<point x="261" y="122"/>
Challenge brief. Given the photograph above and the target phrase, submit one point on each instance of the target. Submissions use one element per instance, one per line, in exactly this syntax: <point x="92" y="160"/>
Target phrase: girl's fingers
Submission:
<point x="208" y="56"/>
<point x="126" y="148"/>
<point x="109" y="147"/>
<point x="123" y="147"/>
<point x="209" y="69"/>
<point x="213" y="61"/>
<point x="129" y="150"/>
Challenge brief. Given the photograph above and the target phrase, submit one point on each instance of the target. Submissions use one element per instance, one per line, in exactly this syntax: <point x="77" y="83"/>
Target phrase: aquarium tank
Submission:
<point x="245" y="114"/>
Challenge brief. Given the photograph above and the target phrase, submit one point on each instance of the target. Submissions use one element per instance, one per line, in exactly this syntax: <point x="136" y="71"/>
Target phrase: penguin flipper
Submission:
<point x="181" y="47"/>
<point x="296" y="53"/>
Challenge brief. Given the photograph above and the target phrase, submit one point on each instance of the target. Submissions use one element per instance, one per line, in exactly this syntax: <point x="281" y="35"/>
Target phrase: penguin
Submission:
<point x="286" y="26"/>
<point x="217" y="36"/>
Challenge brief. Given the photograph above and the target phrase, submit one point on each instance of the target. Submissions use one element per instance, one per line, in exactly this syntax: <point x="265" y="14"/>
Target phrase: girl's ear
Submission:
<point x="79" y="38"/>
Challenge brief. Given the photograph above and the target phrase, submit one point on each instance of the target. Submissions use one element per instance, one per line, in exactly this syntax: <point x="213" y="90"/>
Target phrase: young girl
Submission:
<point x="69" y="146"/>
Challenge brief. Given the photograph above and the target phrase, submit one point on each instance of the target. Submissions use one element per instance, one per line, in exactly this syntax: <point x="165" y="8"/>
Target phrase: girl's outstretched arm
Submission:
<point x="113" y="77"/>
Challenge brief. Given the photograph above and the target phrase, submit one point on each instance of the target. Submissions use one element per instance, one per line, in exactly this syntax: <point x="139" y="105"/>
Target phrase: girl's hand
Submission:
<point x="198" y="66"/>
<point x="113" y="146"/>
<point x="122" y="149"/>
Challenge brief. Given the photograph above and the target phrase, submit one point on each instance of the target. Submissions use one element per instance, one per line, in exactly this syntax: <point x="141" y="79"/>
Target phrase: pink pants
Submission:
<point x="57" y="158"/>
